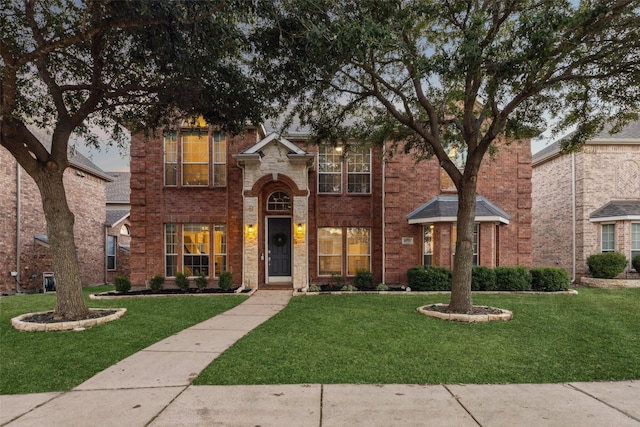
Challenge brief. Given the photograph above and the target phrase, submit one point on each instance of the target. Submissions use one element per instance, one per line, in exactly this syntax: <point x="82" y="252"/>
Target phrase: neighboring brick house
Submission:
<point x="587" y="202"/>
<point x="280" y="212"/>
<point x="118" y="226"/>
<point x="24" y="248"/>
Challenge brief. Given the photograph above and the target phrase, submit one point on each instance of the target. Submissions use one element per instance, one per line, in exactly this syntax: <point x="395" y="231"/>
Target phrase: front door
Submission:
<point x="279" y="250"/>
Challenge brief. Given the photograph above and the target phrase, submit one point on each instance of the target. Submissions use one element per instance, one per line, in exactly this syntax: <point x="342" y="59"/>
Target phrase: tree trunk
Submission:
<point x="70" y="299"/>
<point x="463" y="261"/>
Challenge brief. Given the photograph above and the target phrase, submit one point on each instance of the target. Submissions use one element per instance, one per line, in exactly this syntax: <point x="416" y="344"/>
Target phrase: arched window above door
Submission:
<point x="279" y="201"/>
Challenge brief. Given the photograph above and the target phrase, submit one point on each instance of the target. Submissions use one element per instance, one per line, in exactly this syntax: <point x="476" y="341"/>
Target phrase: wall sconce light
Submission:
<point x="250" y="228"/>
<point x="300" y="228"/>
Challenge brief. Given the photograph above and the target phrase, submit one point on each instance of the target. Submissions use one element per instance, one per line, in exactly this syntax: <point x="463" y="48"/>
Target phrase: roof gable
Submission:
<point x="274" y="137"/>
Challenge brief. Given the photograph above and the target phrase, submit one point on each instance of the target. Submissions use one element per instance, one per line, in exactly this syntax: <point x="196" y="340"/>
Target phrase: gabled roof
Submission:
<point x="116" y="216"/>
<point x="445" y="209"/>
<point x="293" y="148"/>
<point x="118" y="190"/>
<point x="617" y="210"/>
<point x="630" y="134"/>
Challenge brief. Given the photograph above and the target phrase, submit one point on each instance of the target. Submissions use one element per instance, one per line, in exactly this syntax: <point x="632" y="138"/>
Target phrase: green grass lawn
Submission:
<point x="381" y="339"/>
<point x="55" y="361"/>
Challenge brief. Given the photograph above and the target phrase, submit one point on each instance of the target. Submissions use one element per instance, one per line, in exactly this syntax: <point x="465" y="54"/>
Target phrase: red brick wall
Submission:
<point x="7" y="220"/>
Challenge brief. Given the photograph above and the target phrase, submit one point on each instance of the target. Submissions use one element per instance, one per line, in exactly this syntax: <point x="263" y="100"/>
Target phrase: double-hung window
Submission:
<point x="608" y="237"/>
<point x="170" y="250"/>
<point x="329" y="169"/>
<point x="358" y="250"/>
<point x="170" y="158"/>
<point x="454" y="239"/>
<point x="219" y="159"/>
<point x="427" y="253"/>
<point x="111" y="252"/>
<point x="195" y="158"/>
<point x="220" y="248"/>
<point x="635" y="239"/>
<point x="359" y="170"/>
<point x="329" y="251"/>
<point x="195" y="242"/>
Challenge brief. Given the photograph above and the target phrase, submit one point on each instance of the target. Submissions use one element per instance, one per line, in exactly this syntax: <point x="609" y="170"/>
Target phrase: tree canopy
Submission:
<point x="435" y="75"/>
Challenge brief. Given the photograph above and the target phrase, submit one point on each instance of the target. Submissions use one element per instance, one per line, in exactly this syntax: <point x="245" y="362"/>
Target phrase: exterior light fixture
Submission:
<point x="250" y="228"/>
<point x="300" y="227"/>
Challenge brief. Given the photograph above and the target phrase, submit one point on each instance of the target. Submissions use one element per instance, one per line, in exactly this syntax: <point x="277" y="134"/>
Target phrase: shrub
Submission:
<point x="337" y="281"/>
<point x="363" y="279"/>
<point x="382" y="287"/>
<point x="314" y="288"/>
<point x="201" y="281"/>
<point x="348" y="288"/>
<point x="182" y="281"/>
<point x="549" y="279"/>
<point x="482" y="278"/>
<point x="429" y="278"/>
<point x="123" y="284"/>
<point x="156" y="283"/>
<point x="606" y="265"/>
<point x="512" y="279"/>
<point x="635" y="261"/>
<point x="226" y="281"/>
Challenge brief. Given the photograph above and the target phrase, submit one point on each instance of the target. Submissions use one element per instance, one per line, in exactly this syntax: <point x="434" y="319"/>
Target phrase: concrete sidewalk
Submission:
<point x="153" y="388"/>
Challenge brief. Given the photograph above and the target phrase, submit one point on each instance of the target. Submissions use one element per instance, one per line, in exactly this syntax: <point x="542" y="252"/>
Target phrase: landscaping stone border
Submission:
<point x="77" y="325"/>
<point x="591" y="282"/>
<point x="506" y="315"/>
<point x="105" y="297"/>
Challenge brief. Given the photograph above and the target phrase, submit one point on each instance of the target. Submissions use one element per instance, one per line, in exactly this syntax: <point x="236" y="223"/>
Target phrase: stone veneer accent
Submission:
<point x="591" y="282"/>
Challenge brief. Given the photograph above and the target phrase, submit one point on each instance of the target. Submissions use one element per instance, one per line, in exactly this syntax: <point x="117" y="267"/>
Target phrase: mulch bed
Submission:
<point x="48" y="317"/>
<point x="477" y="309"/>
<point x="173" y="291"/>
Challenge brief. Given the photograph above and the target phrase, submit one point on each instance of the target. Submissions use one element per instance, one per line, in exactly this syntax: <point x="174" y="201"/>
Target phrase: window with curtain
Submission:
<point x="358" y="249"/>
<point x="220" y="248"/>
<point x="329" y="251"/>
<point x="195" y="244"/>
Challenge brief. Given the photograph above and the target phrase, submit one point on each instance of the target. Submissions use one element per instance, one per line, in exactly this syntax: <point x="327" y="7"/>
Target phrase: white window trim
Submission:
<point x="320" y="254"/>
<point x="346" y="249"/>
<point x="602" y="225"/>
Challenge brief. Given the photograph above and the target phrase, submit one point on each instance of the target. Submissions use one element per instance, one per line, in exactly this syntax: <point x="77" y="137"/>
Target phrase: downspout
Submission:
<point x="18" y="221"/>
<point x="244" y="221"/>
<point x="573" y="211"/>
<point x="306" y="229"/>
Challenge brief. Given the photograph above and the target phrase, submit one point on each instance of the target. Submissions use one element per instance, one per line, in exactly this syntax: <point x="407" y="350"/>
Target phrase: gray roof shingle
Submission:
<point x="115" y="216"/>
<point x="617" y="209"/>
<point x="445" y="209"/>
<point x="119" y="190"/>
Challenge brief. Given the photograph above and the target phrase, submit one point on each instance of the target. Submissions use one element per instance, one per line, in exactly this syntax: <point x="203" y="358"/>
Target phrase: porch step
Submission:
<point x="276" y="286"/>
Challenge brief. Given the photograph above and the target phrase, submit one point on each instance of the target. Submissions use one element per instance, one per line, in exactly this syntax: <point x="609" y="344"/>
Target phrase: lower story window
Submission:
<point x="635" y="240"/>
<point x="170" y="250"/>
<point x="195" y="242"/>
<point x="358" y="250"/>
<point x="454" y="239"/>
<point x="608" y="237"/>
<point x="220" y="248"/>
<point x="427" y="252"/>
<point x="329" y="251"/>
<point x="111" y="252"/>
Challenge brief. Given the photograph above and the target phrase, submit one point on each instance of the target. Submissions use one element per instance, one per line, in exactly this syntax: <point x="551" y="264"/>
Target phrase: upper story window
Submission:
<point x="608" y="237"/>
<point x="279" y="201"/>
<point x="197" y="155"/>
<point x="330" y="170"/>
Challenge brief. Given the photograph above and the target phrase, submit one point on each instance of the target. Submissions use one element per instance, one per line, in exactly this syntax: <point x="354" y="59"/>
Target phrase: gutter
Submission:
<point x="384" y="204"/>
<point x="18" y="221"/>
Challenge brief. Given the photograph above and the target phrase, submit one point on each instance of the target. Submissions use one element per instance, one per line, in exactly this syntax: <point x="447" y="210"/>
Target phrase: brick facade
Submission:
<point x="258" y="165"/>
<point x="568" y="186"/>
<point x="35" y="257"/>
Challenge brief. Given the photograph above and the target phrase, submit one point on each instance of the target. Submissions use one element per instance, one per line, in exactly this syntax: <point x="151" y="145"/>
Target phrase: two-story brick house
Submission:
<point x="587" y="202"/>
<point x="25" y="256"/>
<point x="278" y="211"/>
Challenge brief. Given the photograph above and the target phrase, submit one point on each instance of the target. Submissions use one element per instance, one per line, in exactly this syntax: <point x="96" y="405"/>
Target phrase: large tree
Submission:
<point x="431" y="75"/>
<point x="69" y="66"/>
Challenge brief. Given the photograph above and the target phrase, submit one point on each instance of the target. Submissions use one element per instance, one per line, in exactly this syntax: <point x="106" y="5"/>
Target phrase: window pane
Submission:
<point x="428" y="245"/>
<point x="454" y="240"/>
<point x="358" y="249"/>
<point x="279" y="201"/>
<point x="111" y="252"/>
<point x="359" y="171"/>
<point x="170" y="158"/>
<point x="219" y="159"/>
<point x="329" y="169"/>
<point x="195" y="158"/>
<point x="220" y="249"/>
<point x="171" y="255"/>
<point x="195" y="242"/>
<point x="329" y="251"/>
<point x="608" y="237"/>
<point x="635" y="240"/>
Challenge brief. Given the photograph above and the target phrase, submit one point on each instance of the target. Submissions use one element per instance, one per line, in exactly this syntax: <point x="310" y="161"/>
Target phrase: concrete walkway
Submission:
<point x="153" y="388"/>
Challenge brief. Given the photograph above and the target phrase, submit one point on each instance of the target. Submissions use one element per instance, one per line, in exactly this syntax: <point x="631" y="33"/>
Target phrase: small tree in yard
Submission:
<point x="68" y="66"/>
<point x="432" y="77"/>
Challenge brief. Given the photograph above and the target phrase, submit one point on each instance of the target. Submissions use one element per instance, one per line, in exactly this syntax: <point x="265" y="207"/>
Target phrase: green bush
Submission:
<point x="363" y="280"/>
<point x="348" y="288"/>
<point x="314" y="288"/>
<point x="226" y="281"/>
<point x="515" y="278"/>
<point x="549" y="279"/>
<point x="201" y="281"/>
<point x="482" y="278"/>
<point x="636" y="262"/>
<point x="156" y="283"/>
<point x="382" y="287"/>
<point x="429" y="278"/>
<point x="337" y="281"/>
<point x="182" y="281"/>
<point x="606" y="265"/>
<point x="123" y="284"/>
